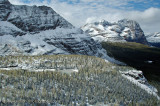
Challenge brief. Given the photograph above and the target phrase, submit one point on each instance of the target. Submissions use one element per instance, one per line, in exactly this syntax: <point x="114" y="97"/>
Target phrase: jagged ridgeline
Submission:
<point x="95" y="83"/>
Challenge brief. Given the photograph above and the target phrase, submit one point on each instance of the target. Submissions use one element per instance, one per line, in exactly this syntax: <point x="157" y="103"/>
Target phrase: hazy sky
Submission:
<point x="80" y="12"/>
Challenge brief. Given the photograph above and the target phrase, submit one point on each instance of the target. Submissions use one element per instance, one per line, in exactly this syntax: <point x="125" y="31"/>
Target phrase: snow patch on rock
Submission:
<point x="137" y="78"/>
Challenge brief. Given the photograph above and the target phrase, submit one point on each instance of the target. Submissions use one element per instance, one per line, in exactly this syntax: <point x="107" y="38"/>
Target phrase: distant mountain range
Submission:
<point x="154" y="39"/>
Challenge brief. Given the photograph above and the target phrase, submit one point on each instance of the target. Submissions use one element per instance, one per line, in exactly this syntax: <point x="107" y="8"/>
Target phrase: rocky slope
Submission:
<point x="154" y="39"/>
<point x="32" y="30"/>
<point x="122" y="31"/>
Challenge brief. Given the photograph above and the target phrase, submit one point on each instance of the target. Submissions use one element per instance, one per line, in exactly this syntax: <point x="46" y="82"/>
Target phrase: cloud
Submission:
<point x="17" y="2"/>
<point x="80" y="12"/>
<point x="148" y="19"/>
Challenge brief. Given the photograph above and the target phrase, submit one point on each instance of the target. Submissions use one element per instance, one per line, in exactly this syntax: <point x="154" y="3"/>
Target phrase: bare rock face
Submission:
<point x="5" y="9"/>
<point x="4" y="2"/>
<point x="134" y="32"/>
<point x="122" y="31"/>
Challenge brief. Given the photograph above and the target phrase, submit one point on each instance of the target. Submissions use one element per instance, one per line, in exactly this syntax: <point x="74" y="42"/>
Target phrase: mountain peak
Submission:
<point x="126" y="20"/>
<point x="4" y="2"/>
<point x="32" y="18"/>
<point x="123" y="30"/>
<point x="129" y="23"/>
<point x="103" y="21"/>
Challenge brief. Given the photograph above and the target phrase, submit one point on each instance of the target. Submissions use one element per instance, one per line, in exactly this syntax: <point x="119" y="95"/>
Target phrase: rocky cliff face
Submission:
<point x="31" y="18"/>
<point x="32" y="30"/>
<point x="5" y="9"/>
<point x="122" y="31"/>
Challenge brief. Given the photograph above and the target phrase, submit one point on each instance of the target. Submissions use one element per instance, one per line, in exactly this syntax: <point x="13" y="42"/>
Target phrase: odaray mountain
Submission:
<point x="123" y="31"/>
<point x="39" y="30"/>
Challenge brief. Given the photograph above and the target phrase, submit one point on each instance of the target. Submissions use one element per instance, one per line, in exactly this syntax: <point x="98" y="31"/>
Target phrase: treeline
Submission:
<point x="57" y="62"/>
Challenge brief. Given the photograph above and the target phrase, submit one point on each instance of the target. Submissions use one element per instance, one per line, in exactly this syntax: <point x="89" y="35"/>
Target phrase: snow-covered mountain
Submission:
<point x="32" y="30"/>
<point x="122" y="31"/>
<point x="31" y="18"/>
<point x="154" y="39"/>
